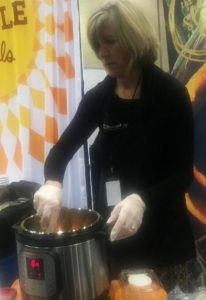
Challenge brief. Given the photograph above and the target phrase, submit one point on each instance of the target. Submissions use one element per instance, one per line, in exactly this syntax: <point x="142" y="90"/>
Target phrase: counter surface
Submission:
<point x="116" y="292"/>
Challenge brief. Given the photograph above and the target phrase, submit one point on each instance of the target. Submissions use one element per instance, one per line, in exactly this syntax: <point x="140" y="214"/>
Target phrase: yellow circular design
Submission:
<point x="187" y="50"/>
<point x="17" y="39"/>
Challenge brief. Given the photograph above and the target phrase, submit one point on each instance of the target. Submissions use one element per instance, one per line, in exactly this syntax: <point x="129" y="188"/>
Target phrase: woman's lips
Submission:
<point x="109" y="64"/>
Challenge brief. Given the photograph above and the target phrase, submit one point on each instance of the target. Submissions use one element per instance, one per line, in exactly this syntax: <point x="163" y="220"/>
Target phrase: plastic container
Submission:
<point x="141" y="284"/>
<point x="8" y="293"/>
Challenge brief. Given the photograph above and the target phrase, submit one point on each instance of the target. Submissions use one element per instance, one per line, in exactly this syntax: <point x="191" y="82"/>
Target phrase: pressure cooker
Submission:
<point x="68" y="263"/>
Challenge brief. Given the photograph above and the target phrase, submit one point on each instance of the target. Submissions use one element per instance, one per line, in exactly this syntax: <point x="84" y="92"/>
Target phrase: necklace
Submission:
<point x="121" y="92"/>
<point x="137" y="85"/>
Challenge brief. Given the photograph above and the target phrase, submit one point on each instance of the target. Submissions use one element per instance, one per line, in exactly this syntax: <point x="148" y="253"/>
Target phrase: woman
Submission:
<point x="143" y="154"/>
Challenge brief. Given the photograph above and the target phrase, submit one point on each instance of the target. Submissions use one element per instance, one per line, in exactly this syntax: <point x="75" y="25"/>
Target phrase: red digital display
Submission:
<point x="35" y="263"/>
<point x="35" y="268"/>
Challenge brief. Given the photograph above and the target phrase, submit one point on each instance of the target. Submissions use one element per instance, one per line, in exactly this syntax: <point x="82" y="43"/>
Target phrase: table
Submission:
<point x="115" y="292"/>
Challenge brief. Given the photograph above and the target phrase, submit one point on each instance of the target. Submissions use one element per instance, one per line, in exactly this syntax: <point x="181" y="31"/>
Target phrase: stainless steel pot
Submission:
<point x="69" y="263"/>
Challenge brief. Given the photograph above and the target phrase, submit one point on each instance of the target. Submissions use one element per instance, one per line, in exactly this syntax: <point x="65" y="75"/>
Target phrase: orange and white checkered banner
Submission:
<point x="40" y="87"/>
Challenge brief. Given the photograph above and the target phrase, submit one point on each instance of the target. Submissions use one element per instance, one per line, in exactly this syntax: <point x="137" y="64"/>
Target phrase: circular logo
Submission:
<point x="187" y="22"/>
<point x="17" y="38"/>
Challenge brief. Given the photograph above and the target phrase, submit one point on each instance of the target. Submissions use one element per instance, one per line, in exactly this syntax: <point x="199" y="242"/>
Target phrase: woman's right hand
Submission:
<point x="47" y="202"/>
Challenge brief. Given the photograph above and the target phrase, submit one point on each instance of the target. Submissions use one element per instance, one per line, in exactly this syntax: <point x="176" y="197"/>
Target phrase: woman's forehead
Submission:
<point x="107" y="29"/>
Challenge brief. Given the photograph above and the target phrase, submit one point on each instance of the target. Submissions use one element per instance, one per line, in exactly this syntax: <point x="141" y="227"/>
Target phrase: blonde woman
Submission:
<point x="143" y="154"/>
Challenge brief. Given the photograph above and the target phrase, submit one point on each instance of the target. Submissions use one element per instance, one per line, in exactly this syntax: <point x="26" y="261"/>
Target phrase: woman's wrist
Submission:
<point x="54" y="183"/>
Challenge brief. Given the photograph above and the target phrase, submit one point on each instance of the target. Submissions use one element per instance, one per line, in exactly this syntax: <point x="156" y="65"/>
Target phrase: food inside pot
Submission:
<point x="70" y="220"/>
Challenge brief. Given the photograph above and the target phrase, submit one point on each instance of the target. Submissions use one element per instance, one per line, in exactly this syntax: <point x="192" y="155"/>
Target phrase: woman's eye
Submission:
<point x="110" y="41"/>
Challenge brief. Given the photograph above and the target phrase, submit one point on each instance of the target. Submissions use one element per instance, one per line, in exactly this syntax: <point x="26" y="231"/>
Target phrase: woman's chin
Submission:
<point x="112" y="74"/>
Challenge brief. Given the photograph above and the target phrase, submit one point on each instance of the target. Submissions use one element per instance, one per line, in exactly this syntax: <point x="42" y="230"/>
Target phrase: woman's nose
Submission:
<point x="103" y="52"/>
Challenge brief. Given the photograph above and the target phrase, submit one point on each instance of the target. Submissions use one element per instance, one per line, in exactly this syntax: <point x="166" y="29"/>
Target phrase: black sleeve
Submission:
<point x="80" y="128"/>
<point x="175" y="172"/>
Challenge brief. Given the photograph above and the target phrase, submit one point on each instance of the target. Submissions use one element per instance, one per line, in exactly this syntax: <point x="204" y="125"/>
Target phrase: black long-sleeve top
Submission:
<point x="148" y="143"/>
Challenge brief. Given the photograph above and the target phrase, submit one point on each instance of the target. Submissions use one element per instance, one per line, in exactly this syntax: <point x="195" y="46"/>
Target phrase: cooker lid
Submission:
<point x="71" y="222"/>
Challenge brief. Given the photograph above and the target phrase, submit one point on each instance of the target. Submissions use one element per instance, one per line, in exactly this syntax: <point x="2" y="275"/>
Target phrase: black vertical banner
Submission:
<point x="186" y="40"/>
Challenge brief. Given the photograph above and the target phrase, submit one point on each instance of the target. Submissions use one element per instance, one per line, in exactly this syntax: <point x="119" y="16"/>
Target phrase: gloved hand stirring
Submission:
<point x="127" y="217"/>
<point x="47" y="202"/>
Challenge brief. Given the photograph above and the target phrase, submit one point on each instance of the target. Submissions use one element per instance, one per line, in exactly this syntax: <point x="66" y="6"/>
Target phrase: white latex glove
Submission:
<point x="127" y="217"/>
<point x="47" y="202"/>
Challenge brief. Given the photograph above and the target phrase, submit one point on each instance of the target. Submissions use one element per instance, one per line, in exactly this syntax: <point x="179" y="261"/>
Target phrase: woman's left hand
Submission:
<point x="127" y="217"/>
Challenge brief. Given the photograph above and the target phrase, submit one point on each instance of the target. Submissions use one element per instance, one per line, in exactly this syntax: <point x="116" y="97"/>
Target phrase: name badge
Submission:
<point x="113" y="192"/>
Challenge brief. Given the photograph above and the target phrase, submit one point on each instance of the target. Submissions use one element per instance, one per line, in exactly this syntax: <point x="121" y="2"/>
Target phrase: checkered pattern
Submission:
<point x="35" y="114"/>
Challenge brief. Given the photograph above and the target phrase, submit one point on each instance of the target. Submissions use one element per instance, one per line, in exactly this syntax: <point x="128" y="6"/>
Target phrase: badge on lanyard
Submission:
<point x="113" y="192"/>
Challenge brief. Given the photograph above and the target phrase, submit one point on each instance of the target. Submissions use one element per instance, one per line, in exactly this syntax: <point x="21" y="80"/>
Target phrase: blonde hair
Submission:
<point x="133" y="31"/>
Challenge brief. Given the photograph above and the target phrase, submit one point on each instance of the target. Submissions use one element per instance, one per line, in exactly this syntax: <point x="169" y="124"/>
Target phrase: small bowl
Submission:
<point x="141" y="284"/>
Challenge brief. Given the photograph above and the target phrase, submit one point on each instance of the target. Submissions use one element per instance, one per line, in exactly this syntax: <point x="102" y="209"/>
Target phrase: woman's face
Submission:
<point x="113" y="57"/>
